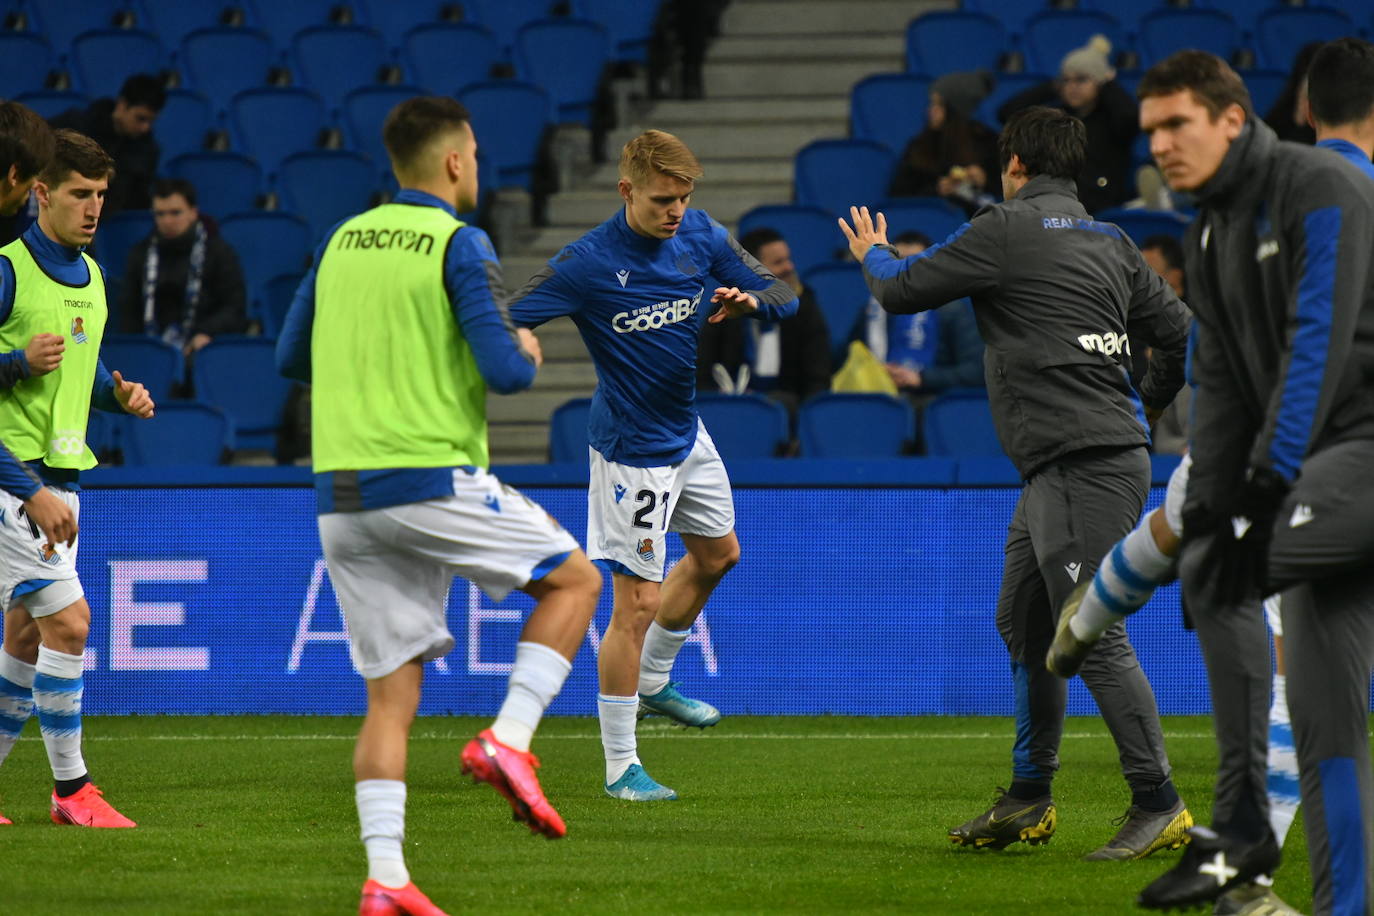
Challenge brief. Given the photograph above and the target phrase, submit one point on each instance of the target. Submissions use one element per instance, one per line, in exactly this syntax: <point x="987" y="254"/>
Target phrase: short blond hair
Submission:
<point x="658" y="151"/>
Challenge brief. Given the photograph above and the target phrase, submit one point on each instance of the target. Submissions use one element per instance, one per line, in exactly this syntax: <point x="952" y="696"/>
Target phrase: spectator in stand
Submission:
<point x="1164" y="254"/>
<point x="26" y="145"/>
<point x="954" y="155"/>
<point x="182" y="283"/>
<point x="1087" y="88"/>
<point x="1288" y="115"/>
<point x="787" y="361"/>
<point x="123" y="126"/>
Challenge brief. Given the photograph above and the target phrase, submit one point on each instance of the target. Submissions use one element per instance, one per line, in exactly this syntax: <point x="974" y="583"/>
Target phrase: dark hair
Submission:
<point x="142" y="89"/>
<point x="414" y="123"/>
<point x="1166" y="245"/>
<point x="1048" y="141"/>
<point x="75" y="152"/>
<point x="26" y="140"/>
<point x="166" y="187"/>
<point x="1340" y="82"/>
<point x="912" y="237"/>
<point x="1210" y="79"/>
<point x="754" y="240"/>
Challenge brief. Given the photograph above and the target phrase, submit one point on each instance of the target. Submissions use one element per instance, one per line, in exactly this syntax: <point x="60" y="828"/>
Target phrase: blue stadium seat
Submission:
<point x="1265" y="88"/>
<point x="446" y="57"/>
<point x="811" y="233"/>
<point x="1244" y="12"/>
<point x="629" y="22"/>
<point x="171" y="21"/>
<point x="239" y="376"/>
<point x="842" y="295"/>
<point x="933" y="216"/>
<point x="566" y="57"/>
<point x="277" y="296"/>
<point x="49" y="103"/>
<point x="268" y="244"/>
<point x="102" y="60"/>
<point x="1141" y="224"/>
<point x="54" y="20"/>
<point x="140" y="358"/>
<point x="959" y="424"/>
<point x="325" y="186"/>
<point x="845" y="425"/>
<point x="943" y="41"/>
<point x="1011" y="13"/>
<point x="889" y="108"/>
<point x="274" y="122"/>
<point x="568" y="431"/>
<point x="1165" y="31"/>
<point x="744" y="425"/>
<point x="25" y="62"/>
<point x="104" y="434"/>
<point x="837" y="174"/>
<point x="364" y="112"/>
<point x="503" y="18"/>
<point x="225" y="182"/>
<point x="181" y="433"/>
<point x="282" y="22"/>
<point x="1282" y="31"/>
<point x="1008" y="85"/>
<point x="393" y="19"/>
<point x="184" y="122"/>
<point x="335" y="60"/>
<point x="509" y="119"/>
<point x="223" y="62"/>
<point x="115" y="237"/>
<point x="1052" y="34"/>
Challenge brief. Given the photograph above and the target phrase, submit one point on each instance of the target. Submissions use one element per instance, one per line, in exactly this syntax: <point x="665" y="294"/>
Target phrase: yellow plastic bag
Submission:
<point x="862" y="372"/>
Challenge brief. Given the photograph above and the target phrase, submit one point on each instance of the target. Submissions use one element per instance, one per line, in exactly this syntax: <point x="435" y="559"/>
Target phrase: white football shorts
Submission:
<point x="25" y="563"/>
<point x="630" y="510"/>
<point x="392" y="568"/>
<point x="1174" y="495"/>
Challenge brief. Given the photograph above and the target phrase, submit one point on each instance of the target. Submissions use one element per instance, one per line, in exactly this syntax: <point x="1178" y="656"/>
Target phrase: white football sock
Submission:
<point x="1284" y="794"/>
<point x="661" y="646"/>
<point x="618" y="715"/>
<point x="1128" y="576"/>
<point x="535" y="680"/>
<point x="57" y="688"/>
<point x="16" y="700"/>
<point x="382" y="814"/>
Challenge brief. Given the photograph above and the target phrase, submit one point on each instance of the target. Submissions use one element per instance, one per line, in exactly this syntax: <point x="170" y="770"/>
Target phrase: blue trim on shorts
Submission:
<point x="29" y="586"/>
<point x="613" y="566"/>
<point x="549" y="565"/>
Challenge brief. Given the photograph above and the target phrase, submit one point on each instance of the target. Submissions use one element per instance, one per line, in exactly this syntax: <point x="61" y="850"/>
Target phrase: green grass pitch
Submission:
<point x="820" y="815"/>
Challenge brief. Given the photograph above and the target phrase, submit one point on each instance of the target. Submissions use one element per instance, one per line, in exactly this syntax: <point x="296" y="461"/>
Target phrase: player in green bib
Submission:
<point x="49" y="288"/>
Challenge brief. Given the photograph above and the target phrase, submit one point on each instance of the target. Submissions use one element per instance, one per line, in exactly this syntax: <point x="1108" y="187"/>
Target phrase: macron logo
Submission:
<point x="1267" y="250"/>
<point x="493" y="503"/>
<point x="1302" y="514"/>
<point x="623" y="276"/>
<point x="1073" y="569"/>
<point x="619" y="492"/>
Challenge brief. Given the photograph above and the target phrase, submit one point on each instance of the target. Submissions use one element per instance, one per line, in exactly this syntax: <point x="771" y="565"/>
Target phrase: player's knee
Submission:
<point x="721" y="560"/>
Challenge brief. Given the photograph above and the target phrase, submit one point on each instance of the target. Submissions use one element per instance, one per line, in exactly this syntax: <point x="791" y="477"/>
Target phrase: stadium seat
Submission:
<point x="272" y="123"/>
<point x="845" y="425"/>
<point x="335" y="60"/>
<point x="933" y="217"/>
<point x="115" y="237"/>
<point x="959" y="424"/>
<point x="889" y="108"/>
<point x="183" y="433"/>
<point x="184" y="123"/>
<point x="1011" y="13"/>
<point x="566" y="57"/>
<point x="1245" y="13"/>
<point x="946" y="40"/>
<point x="365" y="110"/>
<point x="503" y="18"/>
<point x="25" y="62"/>
<point x="140" y="358"/>
<point x="811" y="233"/>
<point x="568" y="431"/>
<point x="104" y="434"/>
<point x="394" y="19"/>
<point x="325" y="186"/>
<point x="54" y="20"/>
<point x="225" y="182"/>
<point x="837" y="174"/>
<point x="1141" y="224"/>
<point x="49" y="103"/>
<point x="744" y="425"/>
<point x="1165" y="31"/>
<point x="1282" y="31"/>
<point x="283" y="21"/>
<point x="1052" y="34"/>
<point x="841" y="294"/>
<point x="509" y="118"/>
<point x="102" y="60"/>
<point x="1008" y="85"/>
<point x="268" y="244"/>
<point x="222" y="62"/>
<point x="629" y="22"/>
<point x="239" y="376"/>
<point x="277" y="296"/>
<point x="444" y="58"/>
<point x="171" y="22"/>
<point x="1265" y="88"/>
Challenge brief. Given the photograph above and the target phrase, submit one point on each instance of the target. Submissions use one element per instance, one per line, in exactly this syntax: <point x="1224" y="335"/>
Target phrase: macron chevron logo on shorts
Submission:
<point x="492" y="502"/>
<point x="1302" y="514"/>
<point x="1072" y="569"/>
<point x="619" y="492"/>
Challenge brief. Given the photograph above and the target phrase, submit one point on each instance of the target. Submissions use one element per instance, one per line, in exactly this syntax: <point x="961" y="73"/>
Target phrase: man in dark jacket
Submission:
<point x="1059" y="298"/>
<point x="1280" y="496"/>
<point x="26" y="145"/>
<point x="123" y="126"/>
<point x="182" y="283"/>
<point x="787" y="361"/>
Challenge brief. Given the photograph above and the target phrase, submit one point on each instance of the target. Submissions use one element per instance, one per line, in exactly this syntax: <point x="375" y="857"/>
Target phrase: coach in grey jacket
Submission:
<point x="1059" y="299"/>
<point x="1281" y="495"/>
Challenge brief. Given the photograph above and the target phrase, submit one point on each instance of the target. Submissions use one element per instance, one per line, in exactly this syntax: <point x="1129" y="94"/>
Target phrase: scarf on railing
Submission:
<point x="176" y="332"/>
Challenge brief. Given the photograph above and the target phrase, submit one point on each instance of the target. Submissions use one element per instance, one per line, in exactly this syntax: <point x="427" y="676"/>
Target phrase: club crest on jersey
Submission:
<point x="49" y="555"/>
<point x="645" y="549"/>
<point x="78" y="330"/>
<point x="648" y="317"/>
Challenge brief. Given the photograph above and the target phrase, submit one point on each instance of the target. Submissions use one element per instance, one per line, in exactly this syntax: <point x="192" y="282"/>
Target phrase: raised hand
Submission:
<point x="733" y="303"/>
<point x="133" y="397"/>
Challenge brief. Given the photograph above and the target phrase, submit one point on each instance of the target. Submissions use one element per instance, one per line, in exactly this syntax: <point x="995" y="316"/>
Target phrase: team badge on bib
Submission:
<point x="78" y="330"/>
<point x="645" y="549"/>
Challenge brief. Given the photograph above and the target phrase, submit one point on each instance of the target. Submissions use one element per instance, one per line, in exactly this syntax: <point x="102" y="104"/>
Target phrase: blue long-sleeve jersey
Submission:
<point x="639" y="304"/>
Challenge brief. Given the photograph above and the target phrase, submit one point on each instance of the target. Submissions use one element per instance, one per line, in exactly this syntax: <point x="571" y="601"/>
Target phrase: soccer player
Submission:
<point x="401" y="327"/>
<point x="26" y="144"/>
<point x="1056" y="296"/>
<point x="48" y="284"/>
<point x="1278" y="496"/>
<point x="634" y="287"/>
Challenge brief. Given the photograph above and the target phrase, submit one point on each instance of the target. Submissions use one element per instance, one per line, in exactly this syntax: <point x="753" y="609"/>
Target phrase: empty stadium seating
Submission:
<point x="837" y="174"/>
<point x="182" y="433"/>
<point x="140" y="358"/>
<point x="744" y="425"/>
<point x="958" y="424"/>
<point x="239" y="376"/>
<point x="841" y="294"/>
<point x="567" y="57"/>
<point x="444" y="57"/>
<point x="889" y="108"/>
<point x="846" y="425"/>
<point x="568" y="431"/>
<point x="811" y="232"/>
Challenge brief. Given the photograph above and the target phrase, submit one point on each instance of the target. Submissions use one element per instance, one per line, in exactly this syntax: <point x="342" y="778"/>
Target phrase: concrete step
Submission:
<point x="533" y="406"/>
<point x="672" y="114"/>
<point x="736" y="141"/>
<point x="785" y="48"/>
<point x="575" y="374"/>
<point x="560" y="341"/>
<point x="725" y="203"/>
<point x="518" y="443"/>
<point x="819" y="76"/>
<point x="779" y="17"/>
